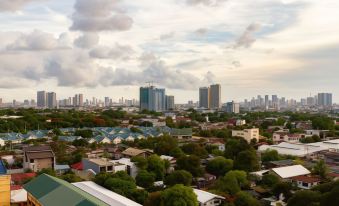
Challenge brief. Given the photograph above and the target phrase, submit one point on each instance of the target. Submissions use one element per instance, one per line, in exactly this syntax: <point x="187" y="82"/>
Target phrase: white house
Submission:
<point x="2" y="142"/>
<point x="208" y="199"/>
<point x="247" y="134"/>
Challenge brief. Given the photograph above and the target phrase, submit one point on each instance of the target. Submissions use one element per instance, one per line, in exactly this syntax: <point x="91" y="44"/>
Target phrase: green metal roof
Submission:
<point x="51" y="191"/>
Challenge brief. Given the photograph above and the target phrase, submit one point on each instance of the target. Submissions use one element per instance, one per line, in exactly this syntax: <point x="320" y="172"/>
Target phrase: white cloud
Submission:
<point x="87" y="40"/>
<point x="118" y="52"/>
<point x="14" y="5"/>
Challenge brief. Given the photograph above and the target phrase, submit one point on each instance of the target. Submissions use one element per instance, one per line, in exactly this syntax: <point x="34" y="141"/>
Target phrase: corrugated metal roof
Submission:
<point x="52" y="191"/>
<point x="291" y="171"/>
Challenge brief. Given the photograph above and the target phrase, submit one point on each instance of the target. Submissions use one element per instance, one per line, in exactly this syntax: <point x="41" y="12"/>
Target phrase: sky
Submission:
<point x="112" y="47"/>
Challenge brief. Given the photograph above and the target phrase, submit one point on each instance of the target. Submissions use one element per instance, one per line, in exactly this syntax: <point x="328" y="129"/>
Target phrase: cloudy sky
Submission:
<point x="111" y="47"/>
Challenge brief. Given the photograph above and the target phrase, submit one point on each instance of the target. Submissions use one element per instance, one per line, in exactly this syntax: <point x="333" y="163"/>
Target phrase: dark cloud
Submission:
<point x="122" y="52"/>
<point x="14" y="5"/>
<point x="87" y="40"/>
<point x="100" y="15"/>
<point x="247" y="39"/>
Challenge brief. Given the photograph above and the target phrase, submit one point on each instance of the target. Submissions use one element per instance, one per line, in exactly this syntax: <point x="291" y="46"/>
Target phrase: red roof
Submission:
<point x="22" y="176"/>
<point x="306" y="179"/>
<point x="77" y="166"/>
<point x="16" y="187"/>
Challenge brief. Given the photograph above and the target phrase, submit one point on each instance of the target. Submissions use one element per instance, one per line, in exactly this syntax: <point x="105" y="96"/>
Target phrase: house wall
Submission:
<point x="31" y="201"/>
<point x="5" y="190"/>
<point x="212" y="202"/>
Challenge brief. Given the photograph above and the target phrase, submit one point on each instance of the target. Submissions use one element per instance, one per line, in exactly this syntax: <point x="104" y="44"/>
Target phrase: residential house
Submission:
<point x="131" y="168"/>
<point x="37" y="158"/>
<point x="2" y="142"/>
<point x="288" y="172"/>
<point x="305" y="182"/>
<point x="133" y="152"/>
<point x="247" y="134"/>
<point x="286" y="137"/>
<point x="102" y="165"/>
<point x="69" y="138"/>
<point x="208" y="199"/>
<point x="48" y="190"/>
<point x="185" y="133"/>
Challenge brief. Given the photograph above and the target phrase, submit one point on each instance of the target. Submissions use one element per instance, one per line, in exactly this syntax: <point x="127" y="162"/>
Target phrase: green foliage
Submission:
<point x="322" y="122"/>
<point x="191" y="164"/>
<point x="247" y="161"/>
<point x="48" y="171"/>
<point x="314" y="138"/>
<point x="178" y="177"/>
<point x="157" y="166"/>
<point x="136" y="130"/>
<point x="194" y="149"/>
<point x="179" y="195"/>
<point x="232" y="182"/>
<point x="80" y="143"/>
<point x="245" y="199"/>
<point x="87" y="133"/>
<point x="219" y="166"/>
<point x="153" y="199"/>
<point x="304" y="197"/>
<point x="165" y="145"/>
<point x="269" y="155"/>
<point x="270" y="180"/>
<point x="145" y="179"/>
<point x="282" y="188"/>
<point x="321" y="169"/>
<point x="120" y="186"/>
<point x="141" y="162"/>
<point x="71" y="177"/>
<point x="176" y="152"/>
<point x="234" y="146"/>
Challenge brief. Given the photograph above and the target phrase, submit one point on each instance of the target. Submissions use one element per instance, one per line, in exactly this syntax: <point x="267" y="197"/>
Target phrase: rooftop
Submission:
<point x="133" y="152"/>
<point x="107" y="196"/>
<point x="52" y="191"/>
<point x="291" y="171"/>
<point x="204" y="196"/>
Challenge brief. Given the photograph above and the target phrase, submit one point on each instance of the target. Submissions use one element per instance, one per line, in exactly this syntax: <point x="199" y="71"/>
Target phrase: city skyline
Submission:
<point x="262" y="47"/>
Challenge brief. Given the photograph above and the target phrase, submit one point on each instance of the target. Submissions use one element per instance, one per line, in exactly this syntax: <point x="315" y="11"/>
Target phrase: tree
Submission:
<point x="48" y="171"/>
<point x="176" y="152"/>
<point x="304" y="197"/>
<point x="153" y="199"/>
<point x="80" y="143"/>
<point x="191" y="164"/>
<point x="321" y="169"/>
<point x="269" y="155"/>
<point x="245" y="199"/>
<point x="282" y="188"/>
<point x="270" y="180"/>
<point x="232" y="182"/>
<point x="157" y="166"/>
<point x="84" y="133"/>
<point x="194" y="149"/>
<point x="178" y="177"/>
<point x="330" y="198"/>
<point x="165" y="145"/>
<point x="219" y="166"/>
<point x="247" y="161"/>
<point x="179" y="195"/>
<point x="120" y="186"/>
<point x="145" y="179"/>
<point x="235" y="145"/>
<point x="71" y="177"/>
<point x="141" y="162"/>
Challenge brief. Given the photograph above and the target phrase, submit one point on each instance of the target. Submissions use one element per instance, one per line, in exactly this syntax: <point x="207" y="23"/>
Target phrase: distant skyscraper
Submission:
<point x="0" y="102"/>
<point x="41" y="99"/>
<point x="170" y="102"/>
<point x="107" y="103"/>
<point x="267" y="101"/>
<point x="215" y="96"/>
<point x="152" y="99"/>
<point x="232" y="107"/>
<point x="204" y="97"/>
<point x="324" y="99"/>
<point x="51" y="100"/>
<point x="78" y="100"/>
<point x="310" y="101"/>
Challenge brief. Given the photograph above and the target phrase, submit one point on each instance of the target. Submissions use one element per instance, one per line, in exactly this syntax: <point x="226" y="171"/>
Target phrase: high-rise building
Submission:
<point x="152" y="99"/>
<point x="215" y="96"/>
<point x="310" y="101"/>
<point x="232" y="107"/>
<point x="170" y="102"/>
<point x="78" y="100"/>
<point x="267" y="101"/>
<point x="107" y="102"/>
<point x="41" y="99"/>
<point x="204" y="97"/>
<point x="324" y="99"/>
<point x="51" y="100"/>
<point x="0" y="102"/>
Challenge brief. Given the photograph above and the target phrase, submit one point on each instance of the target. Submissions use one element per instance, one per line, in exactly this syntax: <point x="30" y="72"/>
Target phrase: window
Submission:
<point x="305" y="184"/>
<point x="31" y="160"/>
<point x="109" y="168"/>
<point x="102" y="169"/>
